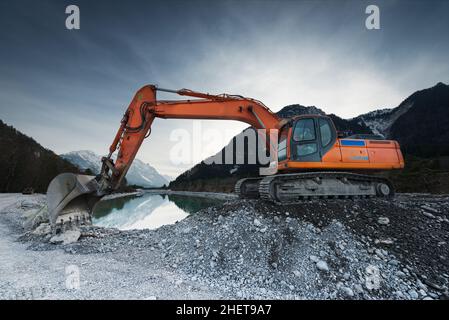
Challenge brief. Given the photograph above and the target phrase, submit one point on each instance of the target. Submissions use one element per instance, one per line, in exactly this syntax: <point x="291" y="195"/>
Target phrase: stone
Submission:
<point x="347" y="291"/>
<point x="413" y="294"/>
<point x="322" y="265"/>
<point x="67" y="237"/>
<point x="178" y="282"/>
<point x="314" y="258"/>
<point x="427" y="208"/>
<point x="257" y="223"/>
<point x="383" y="220"/>
<point x="428" y="215"/>
<point x="358" y="288"/>
<point x="42" y="229"/>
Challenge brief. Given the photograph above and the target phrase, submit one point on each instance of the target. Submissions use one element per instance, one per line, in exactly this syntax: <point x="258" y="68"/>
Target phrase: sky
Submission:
<point x="68" y="89"/>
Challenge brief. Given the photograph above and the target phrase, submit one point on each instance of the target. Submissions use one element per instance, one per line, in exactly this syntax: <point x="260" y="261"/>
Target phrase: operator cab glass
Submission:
<point x="311" y="138"/>
<point x="282" y="144"/>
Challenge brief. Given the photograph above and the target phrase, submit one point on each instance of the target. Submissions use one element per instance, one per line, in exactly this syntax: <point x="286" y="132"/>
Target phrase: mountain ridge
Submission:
<point x="139" y="174"/>
<point x="25" y="163"/>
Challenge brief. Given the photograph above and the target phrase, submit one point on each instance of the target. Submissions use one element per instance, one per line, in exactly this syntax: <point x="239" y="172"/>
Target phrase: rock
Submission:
<point x="358" y="288"/>
<point x="379" y="253"/>
<point x="393" y="262"/>
<point x="429" y="209"/>
<point x="314" y="258"/>
<point x="413" y="294"/>
<point x="297" y="273"/>
<point x="383" y="220"/>
<point x="347" y="291"/>
<point x="263" y="230"/>
<point x="428" y="214"/>
<point x="421" y="285"/>
<point x="36" y="218"/>
<point x="257" y="223"/>
<point x="67" y="237"/>
<point x="42" y="229"/>
<point x="322" y="265"/>
<point x="384" y="241"/>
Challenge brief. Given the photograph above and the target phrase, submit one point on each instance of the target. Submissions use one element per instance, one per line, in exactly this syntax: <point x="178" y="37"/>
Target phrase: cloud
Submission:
<point x="69" y="89"/>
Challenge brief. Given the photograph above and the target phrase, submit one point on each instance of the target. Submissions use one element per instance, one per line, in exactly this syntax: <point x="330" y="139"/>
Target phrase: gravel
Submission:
<point x="244" y="249"/>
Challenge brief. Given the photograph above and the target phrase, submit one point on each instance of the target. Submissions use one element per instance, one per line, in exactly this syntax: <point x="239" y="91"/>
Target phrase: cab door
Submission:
<point x="304" y="144"/>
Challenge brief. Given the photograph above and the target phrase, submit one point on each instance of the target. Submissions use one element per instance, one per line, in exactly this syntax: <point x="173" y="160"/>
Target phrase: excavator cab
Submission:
<point x="305" y="139"/>
<point x="311" y="142"/>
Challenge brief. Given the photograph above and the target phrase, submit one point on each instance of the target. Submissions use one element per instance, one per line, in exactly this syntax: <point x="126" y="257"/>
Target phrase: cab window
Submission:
<point x="304" y="130"/>
<point x="282" y="145"/>
<point x="325" y="132"/>
<point x="306" y="149"/>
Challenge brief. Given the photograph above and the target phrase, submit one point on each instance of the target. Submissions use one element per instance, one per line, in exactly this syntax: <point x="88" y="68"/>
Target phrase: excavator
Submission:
<point x="312" y="159"/>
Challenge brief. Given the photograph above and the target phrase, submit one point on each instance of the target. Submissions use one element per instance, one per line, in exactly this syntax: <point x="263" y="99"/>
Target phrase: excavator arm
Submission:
<point x="144" y="108"/>
<point x="73" y="193"/>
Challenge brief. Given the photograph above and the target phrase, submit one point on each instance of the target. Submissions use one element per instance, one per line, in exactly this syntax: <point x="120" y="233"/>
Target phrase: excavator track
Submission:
<point x="248" y="188"/>
<point x="295" y="187"/>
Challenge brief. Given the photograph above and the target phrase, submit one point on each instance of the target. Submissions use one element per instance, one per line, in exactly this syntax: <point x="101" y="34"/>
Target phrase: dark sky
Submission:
<point x="69" y="88"/>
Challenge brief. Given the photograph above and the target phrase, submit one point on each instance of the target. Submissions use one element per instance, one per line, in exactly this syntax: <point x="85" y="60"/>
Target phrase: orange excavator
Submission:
<point x="311" y="160"/>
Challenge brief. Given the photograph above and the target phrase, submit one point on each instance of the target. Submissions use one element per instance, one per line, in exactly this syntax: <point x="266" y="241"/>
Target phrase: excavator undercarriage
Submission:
<point x="286" y="188"/>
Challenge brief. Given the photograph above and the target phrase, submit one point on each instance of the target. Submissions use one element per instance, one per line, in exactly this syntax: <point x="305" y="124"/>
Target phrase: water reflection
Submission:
<point x="149" y="211"/>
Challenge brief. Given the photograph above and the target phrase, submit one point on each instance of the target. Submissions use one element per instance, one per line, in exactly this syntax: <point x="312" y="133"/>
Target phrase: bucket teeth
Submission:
<point x="71" y="194"/>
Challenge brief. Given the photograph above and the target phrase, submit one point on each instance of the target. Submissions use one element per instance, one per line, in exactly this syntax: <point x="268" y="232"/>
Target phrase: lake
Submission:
<point x="148" y="211"/>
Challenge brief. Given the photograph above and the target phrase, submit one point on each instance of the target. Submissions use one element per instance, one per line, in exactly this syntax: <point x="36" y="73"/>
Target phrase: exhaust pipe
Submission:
<point x="70" y="193"/>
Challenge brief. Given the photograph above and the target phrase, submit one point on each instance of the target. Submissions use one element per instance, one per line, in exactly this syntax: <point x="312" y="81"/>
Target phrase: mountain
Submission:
<point x="139" y="174"/>
<point x="420" y="124"/>
<point x="25" y="163"/>
<point x="424" y="129"/>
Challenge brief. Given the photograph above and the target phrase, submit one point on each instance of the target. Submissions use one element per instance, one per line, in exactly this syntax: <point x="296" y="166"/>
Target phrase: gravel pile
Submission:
<point x="332" y="249"/>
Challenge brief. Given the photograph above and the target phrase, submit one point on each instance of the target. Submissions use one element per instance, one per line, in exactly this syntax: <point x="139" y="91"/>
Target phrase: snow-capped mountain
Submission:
<point x="140" y="173"/>
<point x="380" y="121"/>
<point x="411" y="118"/>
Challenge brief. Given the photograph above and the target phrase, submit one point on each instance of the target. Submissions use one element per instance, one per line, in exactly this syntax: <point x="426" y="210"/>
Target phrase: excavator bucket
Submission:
<point x="71" y="194"/>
